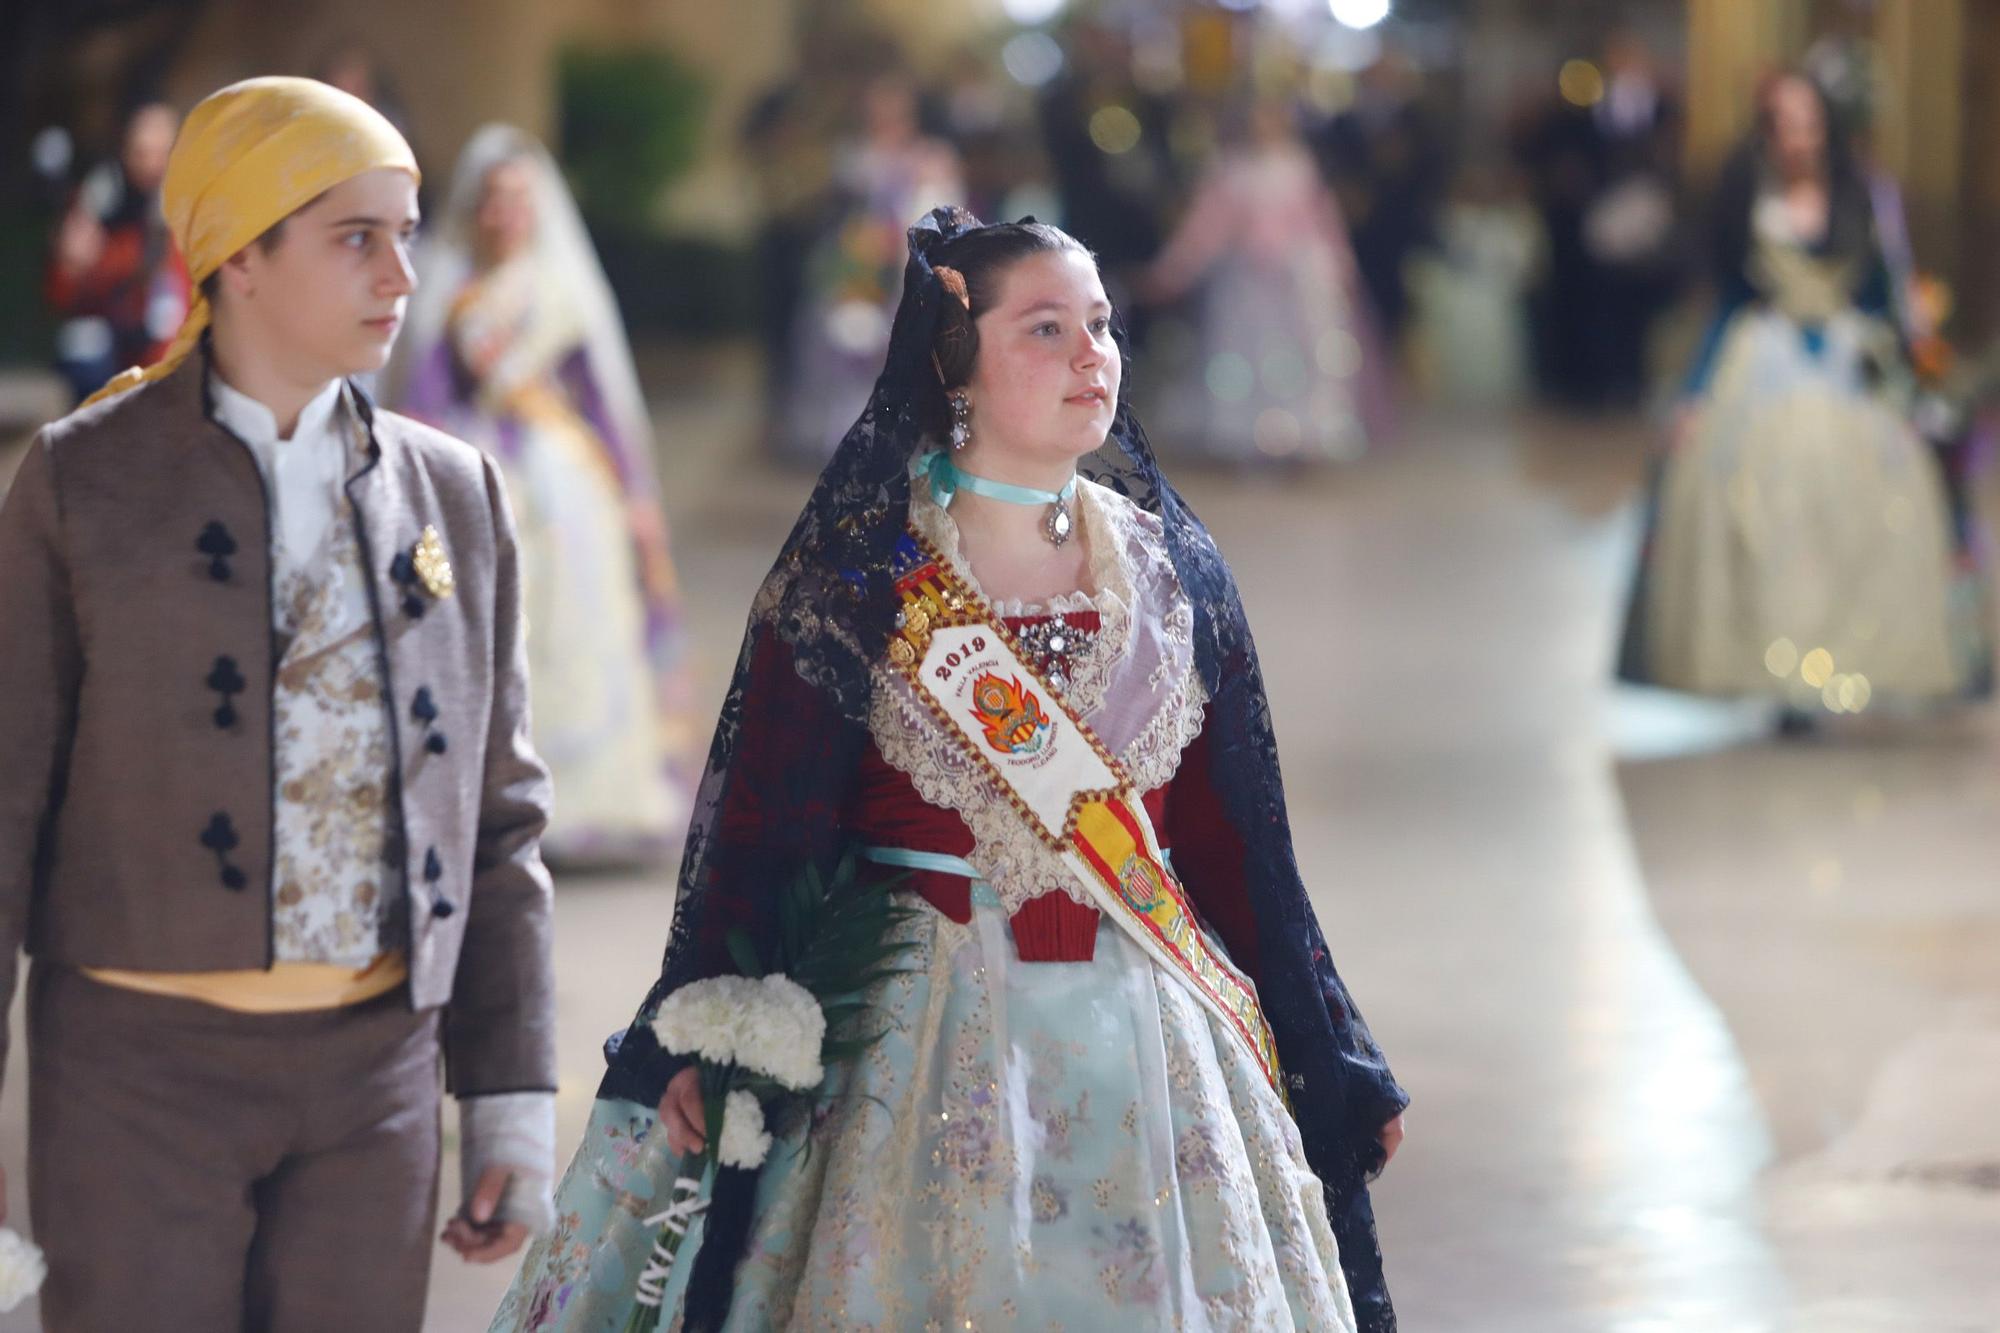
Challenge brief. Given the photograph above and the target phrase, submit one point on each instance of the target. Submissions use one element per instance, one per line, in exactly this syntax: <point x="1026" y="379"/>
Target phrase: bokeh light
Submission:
<point x="1277" y="433"/>
<point x="1114" y="129"/>
<point x="1781" y="659"/>
<point x="1230" y="377"/>
<point x="1032" y="58"/>
<point x="1581" y="83"/>
<point x="1032" y="11"/>
<point x="1337" y="352"/>
<point x="1359" y="13"/>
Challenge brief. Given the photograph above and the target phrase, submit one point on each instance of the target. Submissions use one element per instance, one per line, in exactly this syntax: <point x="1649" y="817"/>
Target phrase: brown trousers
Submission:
<point x="192" y="1168"/>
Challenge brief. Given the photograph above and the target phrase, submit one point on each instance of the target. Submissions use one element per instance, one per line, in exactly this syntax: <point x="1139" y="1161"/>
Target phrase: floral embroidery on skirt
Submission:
<point x="1032" y="1145"/>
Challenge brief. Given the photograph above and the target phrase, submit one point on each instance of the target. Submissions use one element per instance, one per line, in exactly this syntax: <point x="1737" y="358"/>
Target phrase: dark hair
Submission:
<point x="1850" y="224"/>
<point x="267" y="242"/>
<point x="971" y="267"/>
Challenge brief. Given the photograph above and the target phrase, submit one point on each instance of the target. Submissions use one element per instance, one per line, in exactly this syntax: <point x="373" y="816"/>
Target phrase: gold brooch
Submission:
<point x="432" y="566"/>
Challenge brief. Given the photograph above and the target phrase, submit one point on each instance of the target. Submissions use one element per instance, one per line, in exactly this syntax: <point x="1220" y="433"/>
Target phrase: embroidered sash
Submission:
<point x="968" y="669"/>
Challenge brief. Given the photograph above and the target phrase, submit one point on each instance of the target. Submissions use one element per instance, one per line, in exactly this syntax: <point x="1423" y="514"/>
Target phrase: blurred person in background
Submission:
<point x="1952" y="412"/>
<point x="115" y="281"/>
<point x="356" y="68"/>
<point x="1471" y="292"/>
<point x="1112" y="202"/>
<point x="1090" y="1108"/>
<point x="1385" y="163"/>
<point x="515" y="344"/>
<point x="1630" y="228"/>
<point x="1558" y="148"/>
<point x="1953" y="391"/>
<point x="782" y="152"/>
<point x="886" y="174"/>
<point x="980" y="109"/>
<point x="1799" y="546"/>
<point x="1602" y="157"/>
<point x="1287" y="364"/>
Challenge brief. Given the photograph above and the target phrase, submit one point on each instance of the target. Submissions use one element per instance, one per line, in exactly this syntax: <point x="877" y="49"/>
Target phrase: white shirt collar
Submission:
<point x="257" y="425"/>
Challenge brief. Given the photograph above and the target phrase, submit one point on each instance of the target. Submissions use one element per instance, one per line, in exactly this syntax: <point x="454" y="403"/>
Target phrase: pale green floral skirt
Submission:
<point x="1037" y="1146"/>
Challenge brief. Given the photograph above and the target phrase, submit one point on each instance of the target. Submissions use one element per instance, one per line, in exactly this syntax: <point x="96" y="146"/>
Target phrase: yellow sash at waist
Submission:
<point x="286" y="988"/>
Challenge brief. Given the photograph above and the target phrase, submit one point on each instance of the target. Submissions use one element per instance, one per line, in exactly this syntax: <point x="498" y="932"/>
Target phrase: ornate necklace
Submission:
<point x="947" y="479"/>
<point x="1056" y="646"/>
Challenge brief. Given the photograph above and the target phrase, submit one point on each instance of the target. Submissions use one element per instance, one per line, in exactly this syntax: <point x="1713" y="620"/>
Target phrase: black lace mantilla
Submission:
<point x="794" y="725"/>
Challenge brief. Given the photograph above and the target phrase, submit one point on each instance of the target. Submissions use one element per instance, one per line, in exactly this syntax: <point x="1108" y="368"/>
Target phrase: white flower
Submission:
<point x="703" y="1017"/>
<point x="783" y="1033"/>
<point x="744" y="1142"/>
<point x="771" y="1026"/>
<point x="22" y="1269"/>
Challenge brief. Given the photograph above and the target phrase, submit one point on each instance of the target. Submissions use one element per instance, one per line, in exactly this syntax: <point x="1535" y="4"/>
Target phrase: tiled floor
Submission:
<point x="1704" y="1031"/>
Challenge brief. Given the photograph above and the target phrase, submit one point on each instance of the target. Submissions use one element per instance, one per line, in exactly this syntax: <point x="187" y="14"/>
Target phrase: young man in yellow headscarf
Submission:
<point x="269" y="814"/>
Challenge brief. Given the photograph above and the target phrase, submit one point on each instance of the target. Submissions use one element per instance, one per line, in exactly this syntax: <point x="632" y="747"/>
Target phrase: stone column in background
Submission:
<point x="1731" y="45"/>
<point x="456" y="63"/>
<point x="1920" y="119"/>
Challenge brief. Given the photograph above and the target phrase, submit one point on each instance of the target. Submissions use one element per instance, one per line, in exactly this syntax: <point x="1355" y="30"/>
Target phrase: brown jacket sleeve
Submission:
<point x="500" y="1021"/>
<point x="41" y="669"/>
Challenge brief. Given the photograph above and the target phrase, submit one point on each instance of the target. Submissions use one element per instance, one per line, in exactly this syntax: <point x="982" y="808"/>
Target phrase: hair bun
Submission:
<point x="938" y="227"/>
<point x="954" y="282"/>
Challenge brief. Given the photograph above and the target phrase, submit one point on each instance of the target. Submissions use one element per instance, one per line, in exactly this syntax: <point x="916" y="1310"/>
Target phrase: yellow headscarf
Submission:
<point x="247" y="158"/>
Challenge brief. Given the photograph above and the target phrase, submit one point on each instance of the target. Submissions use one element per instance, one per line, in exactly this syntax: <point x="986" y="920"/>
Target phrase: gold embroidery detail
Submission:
<point x="433" y="568"/>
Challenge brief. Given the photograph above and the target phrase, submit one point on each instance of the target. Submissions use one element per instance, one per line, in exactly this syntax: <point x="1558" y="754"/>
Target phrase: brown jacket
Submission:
<point x="136" y="766"/>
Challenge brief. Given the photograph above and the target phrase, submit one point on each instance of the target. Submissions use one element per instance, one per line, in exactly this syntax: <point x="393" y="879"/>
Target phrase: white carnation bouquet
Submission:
<point x="763" y="1038"/>
<point x="22" y="1269"/>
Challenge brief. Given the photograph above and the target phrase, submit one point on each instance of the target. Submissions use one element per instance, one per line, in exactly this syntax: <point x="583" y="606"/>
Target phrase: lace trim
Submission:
<point x="1154" y="755"/>
<point x="1106" y="542"/>
<point x="1063" y="604"/>
<point x="1013" y="860"/>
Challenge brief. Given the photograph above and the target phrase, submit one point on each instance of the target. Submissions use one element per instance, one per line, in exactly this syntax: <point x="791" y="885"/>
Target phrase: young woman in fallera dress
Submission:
<point x="1799" y="546"/>
<point x="1121" y="1084"/>
<point x="515" y="344"/>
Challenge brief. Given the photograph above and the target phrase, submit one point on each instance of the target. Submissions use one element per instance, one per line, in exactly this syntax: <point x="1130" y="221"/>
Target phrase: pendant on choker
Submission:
<point x="947" y="479"/>
<point x="1060" y="524"/>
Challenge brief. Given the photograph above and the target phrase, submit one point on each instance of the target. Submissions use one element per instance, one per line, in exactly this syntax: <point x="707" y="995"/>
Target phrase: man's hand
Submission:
<point x="479" y="1236"/>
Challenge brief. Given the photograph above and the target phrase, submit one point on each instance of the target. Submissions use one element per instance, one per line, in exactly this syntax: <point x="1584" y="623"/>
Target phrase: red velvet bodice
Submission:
<point x="885" y="810"/>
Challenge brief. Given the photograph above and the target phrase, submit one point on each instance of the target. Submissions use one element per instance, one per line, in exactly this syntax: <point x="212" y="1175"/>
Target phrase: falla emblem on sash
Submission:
<point x="432" y="566"/>
<point x="1011" y="716"/>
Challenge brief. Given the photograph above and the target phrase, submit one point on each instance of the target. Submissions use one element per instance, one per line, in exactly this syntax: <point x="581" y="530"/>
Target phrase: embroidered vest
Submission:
<point x="338" y="899"/>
